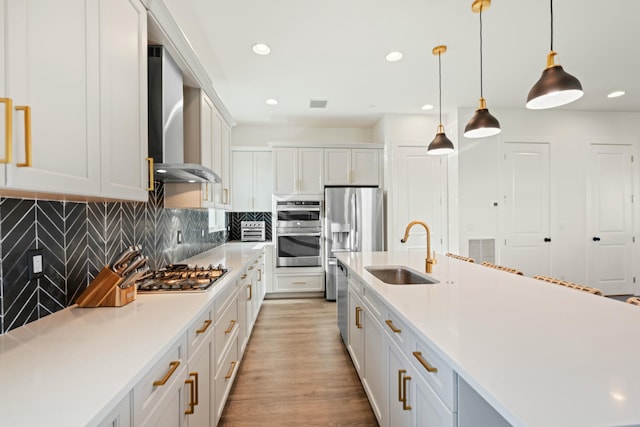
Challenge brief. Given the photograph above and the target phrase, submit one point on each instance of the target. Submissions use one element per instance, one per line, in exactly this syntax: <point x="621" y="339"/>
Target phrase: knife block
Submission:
<point x="104" y="291"/>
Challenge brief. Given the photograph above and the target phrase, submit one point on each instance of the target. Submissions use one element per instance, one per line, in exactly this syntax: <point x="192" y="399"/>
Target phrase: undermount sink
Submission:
<point x="400" y="275"/>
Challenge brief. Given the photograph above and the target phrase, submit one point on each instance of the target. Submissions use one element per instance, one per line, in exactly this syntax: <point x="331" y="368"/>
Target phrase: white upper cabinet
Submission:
<point x="252" y="181"/>
<point x="123" y="99"/>
<point x="346" y="166"/>
<point x="75" y="74"/>
<point x="222" y="161"/>
<point x="298" y="171"/>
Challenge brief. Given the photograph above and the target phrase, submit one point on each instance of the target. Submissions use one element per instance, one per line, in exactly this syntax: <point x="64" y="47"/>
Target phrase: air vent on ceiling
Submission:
<point x="318" y="103"/>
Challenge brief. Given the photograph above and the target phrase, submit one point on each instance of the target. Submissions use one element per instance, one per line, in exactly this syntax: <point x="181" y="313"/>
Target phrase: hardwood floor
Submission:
<point x="297" y="372"/>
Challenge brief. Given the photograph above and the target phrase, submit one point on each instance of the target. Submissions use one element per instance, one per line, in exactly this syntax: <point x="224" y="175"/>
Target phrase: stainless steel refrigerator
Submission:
<point x="354" y="222"/>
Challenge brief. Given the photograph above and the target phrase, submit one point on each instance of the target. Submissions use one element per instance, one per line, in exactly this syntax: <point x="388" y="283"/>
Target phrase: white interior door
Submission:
<point x="527" y="239"/>
<point x="610" y="208"/>
<point x="421" y="195"/>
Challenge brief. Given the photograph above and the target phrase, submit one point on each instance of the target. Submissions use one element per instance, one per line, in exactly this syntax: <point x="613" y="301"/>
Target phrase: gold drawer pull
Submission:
<point x="230" y="328"/>
<point x="423" y="362"/>
<point x="358" y="311"/>
<point x="250" y="292"/>
<point x="193" y="392"/>
<point x="152" y="182"/>
<point x="404" y="393"/>
<point x="400" y="372"/>
<point x="195" y="376"/>
<point x="244" y="276"/>
<point x="231" y="369"/>
<point x="250" y="267"/>
<point x="259" y="275"/>
<point x="392" y="326"/>
<point x="174" y="365"/>
<point x="226" y="196"/>
<point x="204" y="327"/>
<point x="27" y="136"/>
<point x="298" y="283"/>
<point x="8" y="129"/>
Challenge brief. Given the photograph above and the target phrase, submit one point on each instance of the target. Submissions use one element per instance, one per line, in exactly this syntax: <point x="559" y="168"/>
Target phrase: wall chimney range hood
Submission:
<point x="166" y="122"/>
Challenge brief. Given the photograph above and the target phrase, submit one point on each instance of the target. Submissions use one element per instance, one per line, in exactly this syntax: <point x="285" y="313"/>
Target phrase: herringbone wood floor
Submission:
<point x="297" y="372"/>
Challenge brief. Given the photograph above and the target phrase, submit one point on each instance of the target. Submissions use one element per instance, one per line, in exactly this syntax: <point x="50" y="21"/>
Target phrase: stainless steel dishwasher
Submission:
<point x="342" y="300"/>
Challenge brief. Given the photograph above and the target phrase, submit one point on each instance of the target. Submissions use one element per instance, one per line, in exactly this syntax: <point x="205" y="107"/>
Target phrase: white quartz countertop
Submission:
<point x="540" y="354"/>
<point x="72" y="367"/>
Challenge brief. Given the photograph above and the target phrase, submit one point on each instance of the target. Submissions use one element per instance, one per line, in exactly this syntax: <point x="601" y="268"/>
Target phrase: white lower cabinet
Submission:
<point x="225" y="376"/>
<point x="199" y="375"/>
<point x="299" y="282"/>
<point x="120" y="416"/>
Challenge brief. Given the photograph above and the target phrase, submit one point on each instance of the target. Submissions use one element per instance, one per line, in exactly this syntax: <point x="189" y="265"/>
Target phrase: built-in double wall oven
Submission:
<point x="298" y="233"/>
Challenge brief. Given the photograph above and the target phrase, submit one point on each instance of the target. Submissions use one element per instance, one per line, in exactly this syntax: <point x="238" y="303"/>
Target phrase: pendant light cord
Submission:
<point x="481" y="93"/>
<point x="440" y="86"/>
<point x="551" y="3"/>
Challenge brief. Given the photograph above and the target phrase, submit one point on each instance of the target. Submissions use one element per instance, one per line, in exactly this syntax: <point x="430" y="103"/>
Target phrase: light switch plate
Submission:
<point x="35" y="259"/>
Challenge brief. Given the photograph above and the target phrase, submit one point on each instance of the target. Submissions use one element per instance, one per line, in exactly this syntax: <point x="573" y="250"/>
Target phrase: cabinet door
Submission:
<point x="217" y="157"/>
<point x="243" y="181"/>
<point x="285" y="170"/>
<point x="310" y="171"/>
<point x="398" y="367"/>
<point x="200" y="372"/>
<point x="6" y="112"/>
<point x="337" y="166"/>
<point x="243" y="336"/>
<point x="429" y="409"/>
<point x="262" y="181"/>
<point x="170" y="413"/>
<point x="206" y="144"/>
<point x="52" y="67"/>
<point x="375" y="362"/>
<point x="364" y="167"/>
<point x="356" y="332"/>
<point x="226" y="166"/>
<point x="123" y="99"/>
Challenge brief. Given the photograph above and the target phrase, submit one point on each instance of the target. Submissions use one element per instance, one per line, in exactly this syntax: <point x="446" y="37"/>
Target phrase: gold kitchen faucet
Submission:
<point x="428" y="261"/>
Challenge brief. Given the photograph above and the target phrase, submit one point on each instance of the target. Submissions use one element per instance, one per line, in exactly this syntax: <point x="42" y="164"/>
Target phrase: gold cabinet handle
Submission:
<point x="230" y="328"/>
<point x="423" y="362"/>
<point x="406" y="379"/>
<point x="298" y="283"/>
<point x="255" y="262"/>
<point x="250" y="292"/>
<point x="259" y="275"/>
<point x="244" y="276"/>
<point x="152" y="183"/>
<point x="173" y="366"/>
<point x="205" y="325"/>
<point x="192" y="405"/>
<point x="358" y="311"/>
<point x="400" y="373"/>
<point x="231" y="369"/>
<point x="8" y="129"/>
<point x="27" y="136"/>
<point x="250" y="267"/>
<point x="392" y="326"/>
<point x="206" y="191"/>
<point x="197" y="387"/>
<point x="226" y="196"/>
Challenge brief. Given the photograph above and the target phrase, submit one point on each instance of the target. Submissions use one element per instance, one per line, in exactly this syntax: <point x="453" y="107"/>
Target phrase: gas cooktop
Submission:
<point x="182" y="278"/>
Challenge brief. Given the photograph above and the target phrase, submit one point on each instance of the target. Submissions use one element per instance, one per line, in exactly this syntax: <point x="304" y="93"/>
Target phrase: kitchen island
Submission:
<point x="539" y="354"/>
<point x="74" y="367"/>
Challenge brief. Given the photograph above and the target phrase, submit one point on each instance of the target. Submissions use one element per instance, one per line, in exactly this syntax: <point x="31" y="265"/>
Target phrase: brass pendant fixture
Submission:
<point x="556" y="87"/>
<point x="482" y="124"/>
<point x="440" y="144"/>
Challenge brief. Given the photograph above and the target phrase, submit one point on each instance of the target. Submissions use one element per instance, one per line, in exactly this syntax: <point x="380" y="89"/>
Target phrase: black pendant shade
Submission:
<point x="482" y="123"/>
<point x="440" y="144"/>
<point x="556" y="87"/>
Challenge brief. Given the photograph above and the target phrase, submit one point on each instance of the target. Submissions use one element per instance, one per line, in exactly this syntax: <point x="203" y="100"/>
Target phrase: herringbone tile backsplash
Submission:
<point x="78" y="240"/>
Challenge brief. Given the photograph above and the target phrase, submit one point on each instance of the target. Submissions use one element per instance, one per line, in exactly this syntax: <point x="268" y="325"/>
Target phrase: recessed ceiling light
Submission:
<point x="394" y="56"/>
<point x="191" y="181"/>
<point x="427" y="107"/>
<point x="616" y="94"/>
<point x="161" y="171"/>
<point x="261" y="49"/>
<point x="271" y="101"/>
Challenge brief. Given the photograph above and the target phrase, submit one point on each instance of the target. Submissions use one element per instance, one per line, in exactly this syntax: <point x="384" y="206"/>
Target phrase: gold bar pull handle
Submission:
<point x="173" y="366"/>
<point x="392" y="326"/>
<point x="195" y="377"/>
<point x="259" y="275"/>
<point x="8" y="129"/>
<point x="191" y="403"/>
<point x="231" y="369"/>
<point x="400" y="373"/>
<point x="27" y="136"/>
<point x="250" y="292"/>
<point x="204" y="327"/>
<point x="423" y="362"/>
<point x="358" y="311"/>
<point x="152" y="183"/>
<point x="226" y="196"/>
<point x="230" y="328"/>
<point x="405" y="380"/>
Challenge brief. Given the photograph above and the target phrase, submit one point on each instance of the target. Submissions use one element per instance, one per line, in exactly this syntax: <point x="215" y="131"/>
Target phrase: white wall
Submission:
<point x="569" y="133"/>
<point x="263" y="135"/>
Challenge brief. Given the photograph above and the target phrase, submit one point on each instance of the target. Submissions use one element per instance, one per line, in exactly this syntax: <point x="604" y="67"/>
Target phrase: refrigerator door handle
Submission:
<point x="352" y="233"/>
<point x="355" y="224"/>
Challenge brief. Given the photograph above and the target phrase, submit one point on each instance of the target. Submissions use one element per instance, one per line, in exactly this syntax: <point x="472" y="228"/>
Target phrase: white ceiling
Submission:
<point x="335" y="49"/>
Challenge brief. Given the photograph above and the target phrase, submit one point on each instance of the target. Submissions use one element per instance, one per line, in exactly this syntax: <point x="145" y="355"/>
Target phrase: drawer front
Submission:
<point x="199" y="332"/>
<point x="225" y="377"/>
<point x="397" y="330"/>
<point x="438" y="374"/>
<point x="355" y="283"/>
<point x="299" y="283"/>
<point x="160" y="380"/>
<point x="225" y="331"/>
<point x="373" y="302"/>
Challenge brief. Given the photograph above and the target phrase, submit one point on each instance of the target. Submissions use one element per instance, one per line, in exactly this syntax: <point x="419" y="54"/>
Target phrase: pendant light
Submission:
<point x="440" y="144"/>
<point x="556" y="87"/>
<point x="482" y="123"/>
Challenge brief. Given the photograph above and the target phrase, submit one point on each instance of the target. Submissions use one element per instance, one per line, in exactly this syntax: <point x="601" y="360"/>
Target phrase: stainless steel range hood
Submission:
<point x="166" y="123"/>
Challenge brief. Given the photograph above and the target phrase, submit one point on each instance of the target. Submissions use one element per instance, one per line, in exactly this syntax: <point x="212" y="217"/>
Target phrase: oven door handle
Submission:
<point x="289" y="208"/>
<point x="298" y="234"/>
